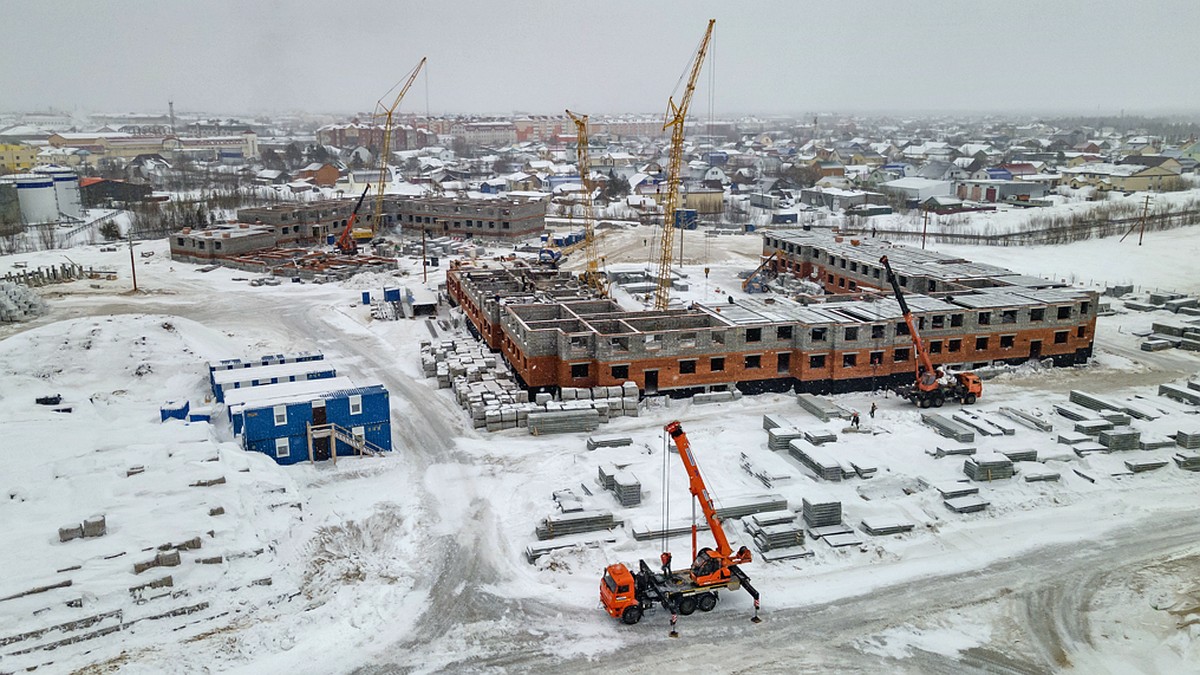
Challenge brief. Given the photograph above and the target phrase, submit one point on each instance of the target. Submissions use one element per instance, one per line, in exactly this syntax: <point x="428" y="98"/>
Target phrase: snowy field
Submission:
<point x="415" y="562"/>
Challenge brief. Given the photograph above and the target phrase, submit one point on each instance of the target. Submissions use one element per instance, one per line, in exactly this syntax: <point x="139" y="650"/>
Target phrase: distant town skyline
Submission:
<point x="771" y="58"/>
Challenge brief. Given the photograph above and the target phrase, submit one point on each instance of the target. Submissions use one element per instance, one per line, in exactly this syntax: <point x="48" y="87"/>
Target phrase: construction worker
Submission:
<point x="872" y="413"/>
<point x="854" y="419"/>
<point x="666" y="563"/>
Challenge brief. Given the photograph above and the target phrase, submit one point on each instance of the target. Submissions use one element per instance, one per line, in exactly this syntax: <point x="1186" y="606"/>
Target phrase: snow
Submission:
<point x="416" y="560"/>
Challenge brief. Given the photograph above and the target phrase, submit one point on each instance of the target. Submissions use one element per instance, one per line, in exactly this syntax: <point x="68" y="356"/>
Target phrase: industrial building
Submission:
<point x="852" y="338"/>
<point x="294" y="408"/>
<point x="502" y="218"/>
<point x="49" y="194"/>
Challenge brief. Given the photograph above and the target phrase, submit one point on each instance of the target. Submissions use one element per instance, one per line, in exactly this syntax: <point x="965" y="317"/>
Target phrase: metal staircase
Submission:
<point x="340" y="434"/>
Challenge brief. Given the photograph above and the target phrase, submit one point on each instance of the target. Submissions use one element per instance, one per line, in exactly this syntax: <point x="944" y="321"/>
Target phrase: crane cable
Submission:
<point x="666" y="491"/>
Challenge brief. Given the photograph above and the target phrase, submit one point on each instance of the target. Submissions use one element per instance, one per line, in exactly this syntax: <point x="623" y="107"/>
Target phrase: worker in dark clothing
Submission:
<point x="872" y="413"/>
<point x="666" y="563"/>
<point x="854" y="419"/>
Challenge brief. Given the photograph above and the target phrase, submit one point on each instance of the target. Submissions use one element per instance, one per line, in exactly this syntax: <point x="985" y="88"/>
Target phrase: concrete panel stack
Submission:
<point x="1188" y="461"/>
<point x="877" y="526"/>
<point x="988" y="467"/>
<point x="1188" y="439"/>
<point x="765" y="477"/>
<point x="1031" y="421"/>
<point x="820" y="407"/>
<point x="820" y="437"/>
<point x="1143" y="465"/>
<point x="781" y="535"/>
<point x="1117" y="419"/>
<point x="1180" y="304"/>
<point x="1074" y="412"/>
<point x="780" y="438"/>
<point x="821" y="514"/>
<point x="1182" y="394"/>
<point x="563" y="421"/>
<point x="817" y="460"/>
<point x="948" y="427"/>
<point x="1163" y="297"/>
<point x="606" y="472"/>
<point x="774" y="422"/>
<point x="967" y="504"/>
<point x="740" y="508"/>
<point x="594" y="442"/>
<point x="1120" y="439"/>
<point x="1088" y="448"/>
<point x="976" y="423"/>
<point x="1093" y="427"/>
<point x="1073" y="438"/>
<point x="1020" y="455"/>
<point x="627" y="488"/>
<point x="574" y="523"/>
<point x="1155" y="442"/>
<point x="949" y="450"/>
<point x="954" y="490"/>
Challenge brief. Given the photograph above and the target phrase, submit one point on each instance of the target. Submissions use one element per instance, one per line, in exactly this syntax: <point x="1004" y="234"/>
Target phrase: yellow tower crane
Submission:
<point x="676" y="114"/>
<point x="591" y="275"/>
<point x="386" y="112"/>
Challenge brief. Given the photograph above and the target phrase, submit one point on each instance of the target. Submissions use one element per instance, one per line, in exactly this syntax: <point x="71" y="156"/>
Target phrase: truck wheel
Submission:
<point x="969" y="399"/>
<point x="631" y="615"/>
<point x="707" y="602"/>
<point x="938" y="401"/>
<point x="923" y="402"/>
<point x="687" y="605"/>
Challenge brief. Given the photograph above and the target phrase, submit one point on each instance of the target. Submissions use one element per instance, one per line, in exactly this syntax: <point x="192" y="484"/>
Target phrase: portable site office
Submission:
<point x="224" y="381"/>
<point x="320" y="425"/>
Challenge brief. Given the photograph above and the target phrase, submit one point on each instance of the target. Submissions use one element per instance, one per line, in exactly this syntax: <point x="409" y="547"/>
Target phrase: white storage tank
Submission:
<point x="35" y="193"/>
<point x="66" y="190"/>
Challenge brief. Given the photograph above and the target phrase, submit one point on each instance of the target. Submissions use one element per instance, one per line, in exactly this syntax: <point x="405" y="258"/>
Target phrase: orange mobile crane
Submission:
<point x="346" y="243"/>
<point x="626" y="595"/>
<point x="932" y="387"/>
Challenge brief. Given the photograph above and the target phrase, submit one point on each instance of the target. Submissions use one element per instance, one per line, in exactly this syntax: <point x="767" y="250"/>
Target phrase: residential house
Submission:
<point x="1123" y="177"/>
<point x="325" y="175"/>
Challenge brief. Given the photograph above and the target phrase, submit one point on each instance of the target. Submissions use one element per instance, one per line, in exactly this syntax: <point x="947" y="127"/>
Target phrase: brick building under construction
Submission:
<point x="852" y="338"/>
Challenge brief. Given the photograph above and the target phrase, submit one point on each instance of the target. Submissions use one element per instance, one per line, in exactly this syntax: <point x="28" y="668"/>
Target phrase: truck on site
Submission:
<point x="627" y="594"/>
<point x="932" y="386"/>
<point x="347" y="243"/>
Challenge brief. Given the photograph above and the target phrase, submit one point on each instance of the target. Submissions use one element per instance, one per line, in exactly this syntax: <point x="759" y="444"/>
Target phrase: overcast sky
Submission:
<point x="792" y="56"/>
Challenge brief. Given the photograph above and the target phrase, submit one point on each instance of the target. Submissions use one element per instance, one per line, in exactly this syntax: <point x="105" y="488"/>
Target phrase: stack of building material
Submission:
<point x="948" y="427"/>
<point x="768" y="518"/>
<point x="877" y="526"/>
<point x="767" y="478"/>
<point x="953" y="490"/>
<point x="1116" y="418"/>
<point x="645" y="532"/>
<point x="1188" y="461"/>
<point x="627" y="488"/>
<point x="574" y="523"/>
<point x="745" y="506"/>
<point x="820" y="437"/>
<point x="568" y="501"/>
<point x="1163" y="297"/>
<point x="1031" y="421"/>
<point x="1074" y="412"/>
<point x="563" y="421"/>
<point x="947" y="450"/>
<point x="1189" y="439"/>
<point x="967" y="504"/>
<point x="606" y="473"/>
<point x="840" y="539"/>
<point x="1155" y="442"/>
<point x="1120" y="439"/>
<point x="780" y="535"/>
<point x="1088" y="448"/>
<point x="780" y="438"/>
<point x="716" y="397"/>
<point x="1093" y="427"/>
<point x="1091" y="401"/>
<point x="1179" y="304"/>
<point x="824" y="465"/>
<point x="975" y="423"/>
<point x="1039" y="475"/>
<point x="1183" y="394"/>
<point x="988" y="466"/>
<point x="822" y="408"/>
<point x="18" y="303"/>
<point x="1140" y="306"/>
<point x="775" y="421"/>
<point x="862" y="469"/>
<point x="1140" y="465"/>
<point x="1153" y="345"/>
<point x="1073" y="438"/>
<point x="535" y="551"/>
<point x="1020" y="455"/>
<point x="594" y="442"/>
<point x="821" y="514"/>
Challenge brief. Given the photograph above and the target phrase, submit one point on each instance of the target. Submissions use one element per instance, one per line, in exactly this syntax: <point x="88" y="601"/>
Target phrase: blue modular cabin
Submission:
<point x="238" y="400"/>
<point x="265" y="360"/>
<point x="174" y="410"/>
<point x="226" y="380"/>
<point x="280" y="430"/>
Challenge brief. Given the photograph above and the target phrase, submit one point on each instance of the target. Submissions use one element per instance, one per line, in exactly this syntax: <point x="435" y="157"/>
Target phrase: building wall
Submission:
<point x="16" y="158"/>
<point x="500" y="218"/>
<point x="260" y="431"/>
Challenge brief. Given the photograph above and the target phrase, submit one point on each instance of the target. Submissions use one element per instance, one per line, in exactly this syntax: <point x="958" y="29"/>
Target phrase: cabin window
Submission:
<point x="280" y="415"/>
<point x="356" y="405"/>
<point x="281" y="448"/>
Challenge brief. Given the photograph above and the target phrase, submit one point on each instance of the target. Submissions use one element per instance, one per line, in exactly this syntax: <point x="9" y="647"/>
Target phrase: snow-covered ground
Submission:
<point x="415" y="562"/>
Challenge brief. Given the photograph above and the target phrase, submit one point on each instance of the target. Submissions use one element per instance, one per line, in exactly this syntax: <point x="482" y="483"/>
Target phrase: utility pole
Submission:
<point x="132" y="263"/>
<point x="925" y="227"/>
<point x="1141" y="223"/>
<point x="424" y="259"/>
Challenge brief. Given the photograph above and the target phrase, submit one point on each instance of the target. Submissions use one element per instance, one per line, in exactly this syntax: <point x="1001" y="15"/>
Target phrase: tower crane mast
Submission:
<point x="591" y="274"/>
<point x="676" y="114"/>
<point x="386" y="112"/>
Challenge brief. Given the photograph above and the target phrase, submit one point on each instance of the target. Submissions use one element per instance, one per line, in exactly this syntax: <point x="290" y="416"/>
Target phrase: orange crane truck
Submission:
<point x="627" y="594"/>
<point x="932" y="386"/>
<point x="346" y="243"/>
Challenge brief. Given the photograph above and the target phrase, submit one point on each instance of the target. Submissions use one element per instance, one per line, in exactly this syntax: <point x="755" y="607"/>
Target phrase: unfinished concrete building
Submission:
<point x="450" y="216"/>
<point x="969" y="314"/>
<point x="313" y="221"/>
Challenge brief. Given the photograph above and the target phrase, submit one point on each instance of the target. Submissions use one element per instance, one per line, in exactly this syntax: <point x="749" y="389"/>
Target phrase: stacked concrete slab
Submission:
<point x="1143" y="465"/>
<point x="1188" y="461"/>
<point x="767" y="478"/>
<point x="821" y="514"/>
<point x="948" y="427"/>
<point x="988" y="467"/>
<point x="1183" y="394"/>
<point x="780" y="438"/>
<point x="745" y="506"/>
<point x="1189" y="439"/>
<point x="771" y="537"/>
<point x="574" y="523"/>
<point x="1027" y="419"/>
<point x="878" y="526"/>
<point x="627" y="488"/>
<point x="774" y="422"/>
<point x="821" y="463"/>
<point x="594" y="442"/>
<point x="1020" y="455"/>
<point x="822" y="408"/>
<point x="1122" y="438"/>
<point x="820" y="437"/>
<point x="716" y="397"/>
<point x="563" y="421"/>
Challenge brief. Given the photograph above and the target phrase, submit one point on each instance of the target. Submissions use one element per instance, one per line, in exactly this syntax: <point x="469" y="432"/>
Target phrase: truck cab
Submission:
<point x="618" y="594"/>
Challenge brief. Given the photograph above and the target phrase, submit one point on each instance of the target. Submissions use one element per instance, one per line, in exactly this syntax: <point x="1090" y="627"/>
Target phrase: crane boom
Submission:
<point x="676" y="114"/>
<point x="377" y="217"/>
<point x="345" y="243"/>
<point x="922" y="355"/>
<point x="591" y="274"/>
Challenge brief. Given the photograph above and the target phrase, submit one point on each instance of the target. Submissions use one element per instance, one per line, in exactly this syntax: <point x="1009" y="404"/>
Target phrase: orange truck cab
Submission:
<point x="618" y="593"/>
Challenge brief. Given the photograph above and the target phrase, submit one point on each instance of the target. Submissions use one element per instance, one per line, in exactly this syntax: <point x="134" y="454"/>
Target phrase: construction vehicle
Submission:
<point x="762" y="275"/>
<point x="675" y="117"/>
<point x="932" y="386"/>
<point x="591" y="274"/>
<point x="346" y="243"/>
<point x="386" y="113"/>
<point x="626" y="595"/>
